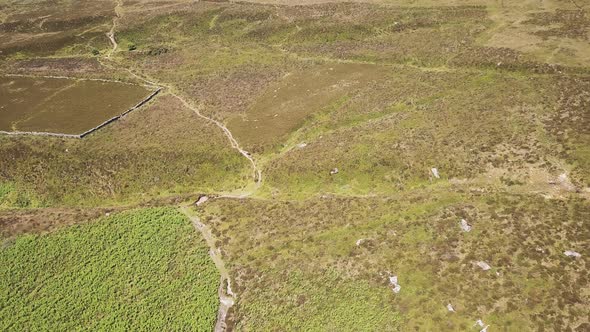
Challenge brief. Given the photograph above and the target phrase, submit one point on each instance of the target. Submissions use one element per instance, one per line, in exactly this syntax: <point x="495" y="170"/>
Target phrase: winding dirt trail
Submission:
<point x="226" y="297"/>
<point x="234" y="143"/>
<point x="257" y="173"/>
<point x="111" y="33"/>
<point x="196" y="110"/>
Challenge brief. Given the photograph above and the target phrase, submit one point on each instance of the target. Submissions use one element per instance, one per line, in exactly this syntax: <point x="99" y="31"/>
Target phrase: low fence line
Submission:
<point x="90" y="131"/>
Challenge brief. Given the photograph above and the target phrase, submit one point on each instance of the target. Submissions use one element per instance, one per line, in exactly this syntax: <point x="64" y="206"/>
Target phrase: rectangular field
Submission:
<point x="66" y="106"/>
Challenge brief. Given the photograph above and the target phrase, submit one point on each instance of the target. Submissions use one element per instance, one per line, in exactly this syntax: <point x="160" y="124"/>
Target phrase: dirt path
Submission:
<point x="226" y="296"/>
<point x="111" y="33"/>
<point x="257" y="173"/>
<point x="234" y="143"/>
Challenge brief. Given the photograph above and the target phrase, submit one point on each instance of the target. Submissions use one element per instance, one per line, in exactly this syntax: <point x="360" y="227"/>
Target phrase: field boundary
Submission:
<point x="90" y="131"/>
<point x="115" y="118"/>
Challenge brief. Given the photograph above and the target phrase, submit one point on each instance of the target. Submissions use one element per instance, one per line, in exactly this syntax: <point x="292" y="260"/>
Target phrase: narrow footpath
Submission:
<point x="226" y="297"/>
<point x="111" y="33"/>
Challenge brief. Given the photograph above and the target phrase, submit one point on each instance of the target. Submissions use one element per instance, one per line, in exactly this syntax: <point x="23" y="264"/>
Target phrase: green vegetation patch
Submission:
<point x="138" y="270"/>
<point x="12" y="197"/>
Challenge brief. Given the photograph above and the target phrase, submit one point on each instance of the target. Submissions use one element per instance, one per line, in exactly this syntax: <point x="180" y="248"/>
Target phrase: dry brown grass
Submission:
<point x="17" y="222"/>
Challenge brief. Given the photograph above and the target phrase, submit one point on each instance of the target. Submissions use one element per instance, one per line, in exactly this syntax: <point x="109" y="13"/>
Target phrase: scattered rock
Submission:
<point x="394" y="284"/>
<point x="450" y="307"/>
<point x="435" y="173"/>
<point x="570" y="253"/>
<point x="565" y="182"/>
<point x="481" y="324"/>
<point x="107" y="214"/>
<point x="202" y="199"/>
<point x="301" y="145"/>
<point x="465" y="225"/>
<point x="334" y="171"/>
<point x="359" y="242"/>
<point x="483" y="265"/>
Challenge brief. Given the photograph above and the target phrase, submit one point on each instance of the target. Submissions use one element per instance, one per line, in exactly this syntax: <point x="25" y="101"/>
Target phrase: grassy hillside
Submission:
<point x="159" y="150"/>
<point x="492" y="95"/>
<point x="137" y="270"/>
<point x="325" y="263"/>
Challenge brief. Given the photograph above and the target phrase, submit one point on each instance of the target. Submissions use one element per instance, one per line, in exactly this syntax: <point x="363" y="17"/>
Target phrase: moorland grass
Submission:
<point x="137" y="270"/>
<point x="290" y="258"/>
<point x="160" y="150"/>
<point x="420" y="90"/>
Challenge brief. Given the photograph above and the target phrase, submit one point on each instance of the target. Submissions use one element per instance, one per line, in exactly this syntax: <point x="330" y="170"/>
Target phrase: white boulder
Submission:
<point x="571" y="253"/>
<point x="483" y="265"/>
<point x="435" y="173"/>
<point x="465" y="225"/>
